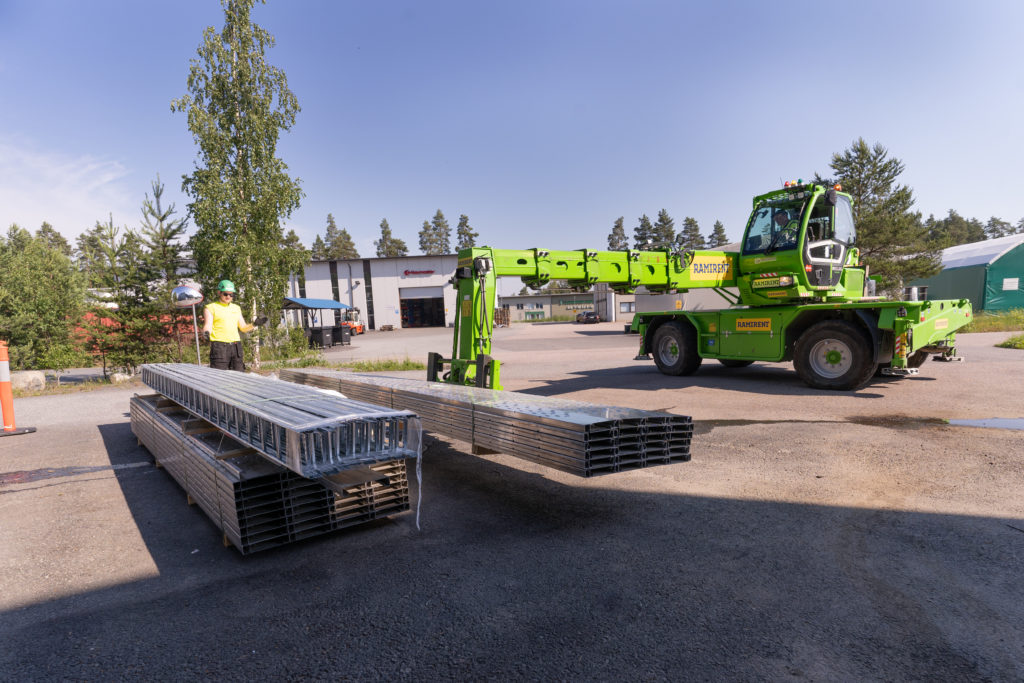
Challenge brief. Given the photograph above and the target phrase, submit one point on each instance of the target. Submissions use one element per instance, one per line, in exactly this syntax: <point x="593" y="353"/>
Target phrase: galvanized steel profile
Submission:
<point x="256" y="503"/>
<point x="572" y="436"/>
<point x="308" y="431"/>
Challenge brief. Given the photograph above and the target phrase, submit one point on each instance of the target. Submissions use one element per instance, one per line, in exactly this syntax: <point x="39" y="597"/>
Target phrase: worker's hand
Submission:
<point x="206" y="336"/>
<point x="260" y="321"/>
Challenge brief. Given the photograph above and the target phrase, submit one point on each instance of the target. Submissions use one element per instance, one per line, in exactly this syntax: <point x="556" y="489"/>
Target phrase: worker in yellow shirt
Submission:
<point x="222" y="321"/>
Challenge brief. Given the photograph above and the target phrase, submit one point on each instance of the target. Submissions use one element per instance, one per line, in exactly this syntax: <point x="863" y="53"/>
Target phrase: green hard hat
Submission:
<point x="226" y="286"/>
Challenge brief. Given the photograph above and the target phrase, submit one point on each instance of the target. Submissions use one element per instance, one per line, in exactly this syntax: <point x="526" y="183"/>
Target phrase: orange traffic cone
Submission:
<point x="7" y="396"/>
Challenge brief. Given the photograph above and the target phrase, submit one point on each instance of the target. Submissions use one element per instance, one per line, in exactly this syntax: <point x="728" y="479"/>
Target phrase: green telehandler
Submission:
<point x="796" y="291"/>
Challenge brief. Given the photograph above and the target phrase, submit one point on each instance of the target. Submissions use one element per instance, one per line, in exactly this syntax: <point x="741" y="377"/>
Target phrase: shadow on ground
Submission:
<point x="516" y="575"/>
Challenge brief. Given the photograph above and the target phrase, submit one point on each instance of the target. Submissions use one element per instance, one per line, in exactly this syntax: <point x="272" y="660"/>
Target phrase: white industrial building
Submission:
<point x="405" y="291"/>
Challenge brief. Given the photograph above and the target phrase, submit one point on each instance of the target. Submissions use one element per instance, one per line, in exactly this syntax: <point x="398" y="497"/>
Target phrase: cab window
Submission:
<point x="774" y="226"/>
<point x="845" y="231"/>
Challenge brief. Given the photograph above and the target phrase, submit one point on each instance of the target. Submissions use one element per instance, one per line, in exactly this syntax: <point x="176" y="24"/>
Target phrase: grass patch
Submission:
<point x="383" y="365"/>
<point x="54" y="389"/>
<point x="1014" y="342"/>
<point x="305" y="361"/>
<point x="1002" y="321"/>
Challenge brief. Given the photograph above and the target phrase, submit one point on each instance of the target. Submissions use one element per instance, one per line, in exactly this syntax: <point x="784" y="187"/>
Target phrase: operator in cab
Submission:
<point x="787" y="230"/>
<point x="222" y="321"/>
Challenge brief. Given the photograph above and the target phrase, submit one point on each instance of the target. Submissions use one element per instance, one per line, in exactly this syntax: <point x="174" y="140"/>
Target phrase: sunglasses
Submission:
<point x="227" y="293"/>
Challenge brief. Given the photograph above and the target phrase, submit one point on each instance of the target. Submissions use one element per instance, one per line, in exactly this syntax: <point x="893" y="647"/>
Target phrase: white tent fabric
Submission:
<point x="977" y="253"/>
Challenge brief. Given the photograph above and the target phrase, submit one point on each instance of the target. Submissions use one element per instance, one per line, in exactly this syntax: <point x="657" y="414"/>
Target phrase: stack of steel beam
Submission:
<point x="581" y="438"/>
<point x="306" y="430"/>
<point x="258" y="504"/>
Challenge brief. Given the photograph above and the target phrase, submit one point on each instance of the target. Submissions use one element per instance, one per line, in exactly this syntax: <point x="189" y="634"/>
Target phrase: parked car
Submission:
<point x="589" y="317"/>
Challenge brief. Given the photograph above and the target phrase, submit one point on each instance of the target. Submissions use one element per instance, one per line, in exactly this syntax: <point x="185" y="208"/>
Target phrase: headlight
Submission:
<point x="785" y="281"/>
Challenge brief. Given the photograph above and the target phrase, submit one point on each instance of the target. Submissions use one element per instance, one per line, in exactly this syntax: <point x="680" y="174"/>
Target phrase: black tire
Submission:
<point x="917" y="359"/>
<point x="731" y="363"/>
<point x="834" y="354"/>
<point x="674" y="346"/>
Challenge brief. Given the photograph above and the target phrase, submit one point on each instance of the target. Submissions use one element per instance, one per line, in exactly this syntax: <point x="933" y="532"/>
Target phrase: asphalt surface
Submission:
<point x="814" y="535"/>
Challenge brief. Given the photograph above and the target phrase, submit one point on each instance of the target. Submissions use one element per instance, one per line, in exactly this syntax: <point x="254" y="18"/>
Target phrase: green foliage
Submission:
<point x="954" y="229"/>
<point x="617" y="240"/>
<point x="643" y="234"/>
<point x="464" y="234"/>
<point x="997" y="321"/>
<point x="996" y="228"/>
<point x="161" y="235"/>
<point x="717" y="238"/>
<point x="892" y="239"/>
<point x="289" y="347"/>
<point x="129" y="321"/>
<point x="237" y="106"/>
<point x="690" y="237"/>
<point x="388" y="245"/>
<point x="42" y="296"/>
<point x="435" y="236"/>
<point x="664" y="230"/>
<point x="384" y="365"/>
<point x="338" y="243"/>
<point x="53" y="239"/>
<point x="319" y="251"/>
<point x="1014" y="342"/>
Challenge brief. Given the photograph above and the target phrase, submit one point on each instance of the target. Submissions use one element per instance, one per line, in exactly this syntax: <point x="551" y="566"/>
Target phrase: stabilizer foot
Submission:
<point x="900" y="372"/>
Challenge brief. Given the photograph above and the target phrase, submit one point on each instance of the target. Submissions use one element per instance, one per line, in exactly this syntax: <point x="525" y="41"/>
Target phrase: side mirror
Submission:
<point x="831" y="198"/>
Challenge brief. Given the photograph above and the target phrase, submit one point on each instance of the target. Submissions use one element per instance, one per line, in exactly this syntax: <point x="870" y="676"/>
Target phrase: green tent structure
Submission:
<point x="989" y="273"/>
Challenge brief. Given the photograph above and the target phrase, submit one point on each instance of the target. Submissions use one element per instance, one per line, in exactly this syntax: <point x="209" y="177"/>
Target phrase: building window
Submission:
<point x="627" y="307"/>
<point x="519" y="307"/>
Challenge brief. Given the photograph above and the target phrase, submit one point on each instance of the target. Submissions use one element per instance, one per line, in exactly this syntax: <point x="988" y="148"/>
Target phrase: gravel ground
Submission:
<point x="814" y="535"/>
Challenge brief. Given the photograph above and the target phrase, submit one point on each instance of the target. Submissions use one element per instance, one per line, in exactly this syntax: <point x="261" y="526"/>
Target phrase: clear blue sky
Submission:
<point x="543" y="121"/>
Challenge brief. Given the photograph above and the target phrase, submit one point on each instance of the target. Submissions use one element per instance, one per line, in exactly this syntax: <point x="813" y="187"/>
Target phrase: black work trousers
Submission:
<point x="226" y="356"/>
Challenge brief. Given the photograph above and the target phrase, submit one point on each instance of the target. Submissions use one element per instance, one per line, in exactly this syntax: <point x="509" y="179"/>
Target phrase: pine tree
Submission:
<point x="689" y="237"/>
<point x="717" y="238"/>
<point x="664" y="230"/>
<point x="643" y="234"/>
<point x="427" y="238"/>
<point x="237" y="106"/>
<point x="53" y="239"/>
<point x="388" y="245"/>
<point x="892" y="239"/>
<point x="617" y="240"/>
<point x="330" y="236"/>
<point x="996" y="228"/>
<point x="126" y="328"/>
<point x="954" y="229"/>
<point x="464" y="234"/>
<point x="443" y="233"/>
<point x="319" y="250"/>
<point x="161" y="234"/>
<point x="338" y="244"/>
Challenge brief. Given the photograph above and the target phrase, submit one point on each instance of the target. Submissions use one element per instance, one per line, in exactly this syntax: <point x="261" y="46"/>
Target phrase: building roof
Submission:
<point x="293" y="303"/>
<point x="979" y="253"/>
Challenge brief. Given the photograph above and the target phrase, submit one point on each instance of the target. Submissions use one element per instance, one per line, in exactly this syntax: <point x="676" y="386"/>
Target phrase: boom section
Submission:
<point x="624" y="271"/>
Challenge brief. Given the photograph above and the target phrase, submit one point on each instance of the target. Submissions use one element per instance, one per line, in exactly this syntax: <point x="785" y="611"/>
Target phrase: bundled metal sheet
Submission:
<point x="306" y="430"/>
<point x="258" y="504"/>
<point x="572" y="436"/>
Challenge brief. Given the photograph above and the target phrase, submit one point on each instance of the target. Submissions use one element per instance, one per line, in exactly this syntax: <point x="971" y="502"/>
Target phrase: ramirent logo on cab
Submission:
<point x="711" y="269"/>
<point x="753" y="324"/>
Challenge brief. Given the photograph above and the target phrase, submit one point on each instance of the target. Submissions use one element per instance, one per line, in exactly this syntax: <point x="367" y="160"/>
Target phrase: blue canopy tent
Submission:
<point x="326" y="335"/>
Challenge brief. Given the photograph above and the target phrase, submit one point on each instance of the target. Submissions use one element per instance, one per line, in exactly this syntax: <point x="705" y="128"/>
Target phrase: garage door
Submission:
<point x="422" y="306"/>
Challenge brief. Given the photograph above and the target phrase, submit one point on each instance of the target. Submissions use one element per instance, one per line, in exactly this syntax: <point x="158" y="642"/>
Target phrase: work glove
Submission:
<point x="206" y="336"/>
<point x="260" y="321"/>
